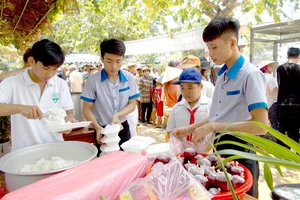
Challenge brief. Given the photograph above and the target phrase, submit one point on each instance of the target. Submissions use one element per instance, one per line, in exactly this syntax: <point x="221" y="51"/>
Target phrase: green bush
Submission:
<point x="4" y="129"/>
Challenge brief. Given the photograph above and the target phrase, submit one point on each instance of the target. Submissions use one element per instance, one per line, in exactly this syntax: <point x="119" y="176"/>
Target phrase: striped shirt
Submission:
<point x="238" y="91"/>
<point x="145" y="86"/>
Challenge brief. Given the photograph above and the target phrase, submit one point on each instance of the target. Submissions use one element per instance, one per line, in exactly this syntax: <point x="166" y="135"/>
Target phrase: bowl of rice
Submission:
<point x="31" y="164"/>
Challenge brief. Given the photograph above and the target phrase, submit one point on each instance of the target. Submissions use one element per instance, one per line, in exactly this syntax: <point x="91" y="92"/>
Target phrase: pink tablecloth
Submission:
<point x="105" y="176"/>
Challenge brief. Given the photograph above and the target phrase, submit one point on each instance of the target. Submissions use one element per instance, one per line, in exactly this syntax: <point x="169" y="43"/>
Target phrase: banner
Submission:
<point x="185" y="40"/>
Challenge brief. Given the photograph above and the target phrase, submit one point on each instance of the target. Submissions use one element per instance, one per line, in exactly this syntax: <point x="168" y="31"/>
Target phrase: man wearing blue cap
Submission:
<point x="193" y="107"/>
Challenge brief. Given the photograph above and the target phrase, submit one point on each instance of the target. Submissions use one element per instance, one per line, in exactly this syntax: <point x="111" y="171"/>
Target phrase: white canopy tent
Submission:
<point x="82" y="58"/>
<point x="185" y="40"/>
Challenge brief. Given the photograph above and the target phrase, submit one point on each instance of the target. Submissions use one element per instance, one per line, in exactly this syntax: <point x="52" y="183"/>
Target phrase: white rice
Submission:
<point x="55" y="116"/>
<point x="48" y="164"/>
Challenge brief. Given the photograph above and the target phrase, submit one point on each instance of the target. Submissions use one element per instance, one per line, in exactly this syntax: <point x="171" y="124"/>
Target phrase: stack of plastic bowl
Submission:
<point x="155" y="149"/>
<point x="110" y="138"/>
<point x="137" y="144"/>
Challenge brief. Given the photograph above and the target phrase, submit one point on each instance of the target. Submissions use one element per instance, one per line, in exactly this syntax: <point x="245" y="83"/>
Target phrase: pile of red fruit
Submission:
<point x="204" y="169"/>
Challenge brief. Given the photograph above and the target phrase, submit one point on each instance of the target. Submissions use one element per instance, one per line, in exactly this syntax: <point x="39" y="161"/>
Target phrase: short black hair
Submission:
<point x="47" y="52"/>
<point x="113" y="46"/>
<point x="220" y="25"/>
<point x="171" y="63"/>
<point x="26" y="55"/>
<point x="293" y="52"/>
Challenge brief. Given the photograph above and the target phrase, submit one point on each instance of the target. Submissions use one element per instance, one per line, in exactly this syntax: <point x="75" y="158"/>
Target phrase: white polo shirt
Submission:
<point x="20" y="89"/>
<point x="237" y="92"/>
<point x="180" y="116"/>
<point x="109" y="98"/>
<point x="208" y="88"/>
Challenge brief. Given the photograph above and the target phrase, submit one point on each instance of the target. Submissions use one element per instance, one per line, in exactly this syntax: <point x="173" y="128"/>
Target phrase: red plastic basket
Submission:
<point x="240" y="191"/>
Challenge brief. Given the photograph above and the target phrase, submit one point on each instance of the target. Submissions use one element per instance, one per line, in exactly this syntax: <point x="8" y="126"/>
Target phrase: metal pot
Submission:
<point x="12" y="162"/>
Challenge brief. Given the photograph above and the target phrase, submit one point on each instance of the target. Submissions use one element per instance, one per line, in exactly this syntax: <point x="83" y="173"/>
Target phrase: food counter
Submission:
<point x="105" y="176"/>
<point x="83" y="134"/>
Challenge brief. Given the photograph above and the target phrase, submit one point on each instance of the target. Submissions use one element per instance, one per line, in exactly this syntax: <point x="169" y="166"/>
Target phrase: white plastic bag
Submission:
<point x="177" y="146"/>
<point x="170" y="181"/>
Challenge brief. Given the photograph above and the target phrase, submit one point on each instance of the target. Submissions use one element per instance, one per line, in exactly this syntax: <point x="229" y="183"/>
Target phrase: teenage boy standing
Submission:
<point x="110" y="95"/>
<point x="239" y="93"/>
<point x="26" y="96"/>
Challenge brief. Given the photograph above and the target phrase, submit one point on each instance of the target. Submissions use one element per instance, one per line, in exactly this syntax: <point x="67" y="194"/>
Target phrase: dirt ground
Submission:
<point x="290" y="176"/>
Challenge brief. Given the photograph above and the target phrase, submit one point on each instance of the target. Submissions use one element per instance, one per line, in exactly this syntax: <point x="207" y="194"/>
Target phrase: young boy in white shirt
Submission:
<point x="193" y="107"/>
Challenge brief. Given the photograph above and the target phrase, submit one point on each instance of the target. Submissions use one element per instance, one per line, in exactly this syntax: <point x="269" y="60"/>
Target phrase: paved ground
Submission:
<point x="290" y="176"/>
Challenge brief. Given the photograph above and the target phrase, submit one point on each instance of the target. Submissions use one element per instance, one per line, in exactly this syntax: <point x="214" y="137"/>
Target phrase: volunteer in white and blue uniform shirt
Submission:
<point x="240" y="92"/>
<point x="28" y="95"/>
<point x="110" y="95"/>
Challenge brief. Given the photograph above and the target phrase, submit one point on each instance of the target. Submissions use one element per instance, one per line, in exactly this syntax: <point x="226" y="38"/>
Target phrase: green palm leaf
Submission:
<point x="269" y="152"/>
<point x="268" y="176"/>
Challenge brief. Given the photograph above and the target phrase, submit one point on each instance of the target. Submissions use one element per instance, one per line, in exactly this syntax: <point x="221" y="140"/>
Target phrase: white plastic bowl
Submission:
<point x="111" y="130"/>
<point x="148" y="140"/>
<point x="111" y="142"/>
<point x="134" y="146"/>
<point x="12" y="162"/>
<point x="109" y="149"/>
<point x="155" y="149"/>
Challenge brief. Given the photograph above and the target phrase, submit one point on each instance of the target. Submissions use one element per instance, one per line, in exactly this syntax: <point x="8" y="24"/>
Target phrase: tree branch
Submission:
<point x="209" y="14"/>
<point x="20" y="16"/>
<point x="51" y="8"/>
<point x="2" y="7"/>
<point x="214" y="6"/>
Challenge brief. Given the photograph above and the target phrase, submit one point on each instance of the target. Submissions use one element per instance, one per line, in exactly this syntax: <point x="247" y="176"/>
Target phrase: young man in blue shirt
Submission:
<point x="110" y="94"/>
<point x="239" y="93"/>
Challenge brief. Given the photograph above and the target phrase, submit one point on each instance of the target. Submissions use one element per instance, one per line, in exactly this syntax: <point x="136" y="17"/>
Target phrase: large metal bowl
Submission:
<point x="12" y="162"/>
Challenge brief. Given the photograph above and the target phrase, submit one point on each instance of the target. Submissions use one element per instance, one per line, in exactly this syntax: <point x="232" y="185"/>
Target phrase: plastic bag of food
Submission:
<point x="177" y="146"/>
<point x="172" y="181"/>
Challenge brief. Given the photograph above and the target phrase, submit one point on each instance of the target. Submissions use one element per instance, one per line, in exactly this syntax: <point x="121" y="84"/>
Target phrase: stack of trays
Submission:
<point x="110" y="138"/>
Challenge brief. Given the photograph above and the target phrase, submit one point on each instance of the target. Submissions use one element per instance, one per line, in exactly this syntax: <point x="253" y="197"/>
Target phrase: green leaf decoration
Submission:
<point x="268" y="152"/>
<point x="268" y="176"/>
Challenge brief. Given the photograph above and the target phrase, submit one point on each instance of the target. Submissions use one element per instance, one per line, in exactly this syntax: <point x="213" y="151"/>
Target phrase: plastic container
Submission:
<point x="111" y="141"/>
<point x="134" y="146"/>
<point x="12" y="162"/>
<point x="155" y="149"/>
<point x="240" y="191"/>
<point x="111" y="130"/>
<point x="108" y="149"/>
<point x="286" y="192"/>
<point x="148" y="140"/>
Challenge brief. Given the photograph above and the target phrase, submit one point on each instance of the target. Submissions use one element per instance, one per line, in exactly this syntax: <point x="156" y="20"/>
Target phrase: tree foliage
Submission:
<point x="137" y="19"/>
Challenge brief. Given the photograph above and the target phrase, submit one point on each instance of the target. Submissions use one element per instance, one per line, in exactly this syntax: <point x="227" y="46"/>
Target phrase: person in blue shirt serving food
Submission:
<point x="240" y="92"/>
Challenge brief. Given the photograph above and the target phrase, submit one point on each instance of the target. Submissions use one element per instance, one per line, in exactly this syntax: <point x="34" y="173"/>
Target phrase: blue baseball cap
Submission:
<point x="190" y="75"/>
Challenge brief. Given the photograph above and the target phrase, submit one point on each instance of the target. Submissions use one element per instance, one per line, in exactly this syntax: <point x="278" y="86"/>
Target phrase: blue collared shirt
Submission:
<point x="238" y="90"/>
<point x="109" y="98"/>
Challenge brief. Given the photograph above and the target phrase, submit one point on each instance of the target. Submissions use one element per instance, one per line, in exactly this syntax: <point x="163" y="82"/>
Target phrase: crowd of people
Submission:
<point x="76" y="76"/>
<point x="185" y="100"/>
